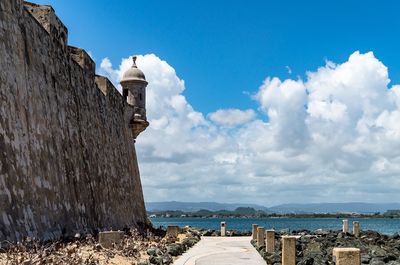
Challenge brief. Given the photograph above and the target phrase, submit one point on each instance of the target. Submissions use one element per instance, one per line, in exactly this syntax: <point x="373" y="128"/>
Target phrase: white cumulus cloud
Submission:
<point x="232" y="117"/>
<point x="334" y="136"/>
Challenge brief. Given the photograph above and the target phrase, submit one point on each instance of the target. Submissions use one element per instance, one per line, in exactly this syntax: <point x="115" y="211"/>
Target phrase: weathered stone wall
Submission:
<point x="67" y="156"/>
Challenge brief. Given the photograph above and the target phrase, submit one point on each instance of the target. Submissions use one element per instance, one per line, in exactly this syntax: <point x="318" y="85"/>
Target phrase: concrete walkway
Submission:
<point x="222" y="251"/>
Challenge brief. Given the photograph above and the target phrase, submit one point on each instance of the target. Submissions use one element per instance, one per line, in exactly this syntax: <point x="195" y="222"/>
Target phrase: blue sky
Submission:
<point x="263" y="102"/>
<point x="222" y="48"/>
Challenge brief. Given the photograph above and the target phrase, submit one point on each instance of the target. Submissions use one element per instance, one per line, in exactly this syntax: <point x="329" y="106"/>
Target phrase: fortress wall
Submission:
<point x="67" y="157"/>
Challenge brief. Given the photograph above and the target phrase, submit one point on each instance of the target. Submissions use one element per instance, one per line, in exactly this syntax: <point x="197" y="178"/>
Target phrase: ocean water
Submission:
<point x="381" y="225"/>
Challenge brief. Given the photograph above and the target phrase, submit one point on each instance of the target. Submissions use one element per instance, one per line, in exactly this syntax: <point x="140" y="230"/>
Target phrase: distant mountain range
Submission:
<point x="350" y="207"/>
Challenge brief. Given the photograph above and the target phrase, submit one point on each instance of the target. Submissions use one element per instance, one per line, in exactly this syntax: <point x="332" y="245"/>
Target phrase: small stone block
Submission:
<point x="347" y="256"/>
<point x="356" y="229"/>
<point x="172" y="231"/>
<point x="260" y="236"/>
<point x="254" y="231"/>
<point x="108" y="238"/>
<point x="345" y="227"/>
<point x="270" y="241"/>
<point x="289" y="250"/>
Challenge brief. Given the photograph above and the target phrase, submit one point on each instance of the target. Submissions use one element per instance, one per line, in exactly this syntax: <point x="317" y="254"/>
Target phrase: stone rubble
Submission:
<point x="315" y="247"/>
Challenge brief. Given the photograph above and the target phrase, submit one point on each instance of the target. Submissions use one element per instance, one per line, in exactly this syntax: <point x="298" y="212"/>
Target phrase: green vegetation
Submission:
<point x="392" y="214"/>
<point x="238" y="212"/>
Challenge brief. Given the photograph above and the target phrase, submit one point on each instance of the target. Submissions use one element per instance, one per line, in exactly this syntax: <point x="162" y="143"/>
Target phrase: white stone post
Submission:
<point x="345" y="227"/>
<point x="356" y="229"/>
<point x="223" y="229"/>
<point x="288" y="250"/>
<point x="260" y="236"/>
<point x="346" y="256"/>
<point x="254" y="231"/>
<point x="270" y="235"/>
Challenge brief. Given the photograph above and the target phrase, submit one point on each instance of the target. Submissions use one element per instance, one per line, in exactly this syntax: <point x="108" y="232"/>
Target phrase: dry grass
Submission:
<point x="81" y="251"/>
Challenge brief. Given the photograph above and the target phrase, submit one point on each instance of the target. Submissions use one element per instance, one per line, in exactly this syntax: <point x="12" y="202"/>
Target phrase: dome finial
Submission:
<point x="133" y="74"/>
<point x="134" y="61"/>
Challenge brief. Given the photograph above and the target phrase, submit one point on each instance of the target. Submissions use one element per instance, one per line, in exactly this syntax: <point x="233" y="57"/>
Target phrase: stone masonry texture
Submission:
<point x="67" y="157"/>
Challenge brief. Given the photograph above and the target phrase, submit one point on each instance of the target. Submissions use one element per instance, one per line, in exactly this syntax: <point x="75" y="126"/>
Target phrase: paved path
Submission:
<point x="222" y="251"/>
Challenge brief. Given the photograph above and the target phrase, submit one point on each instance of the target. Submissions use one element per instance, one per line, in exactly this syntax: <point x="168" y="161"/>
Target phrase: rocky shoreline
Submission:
<point x="315" y="247"/>
<point x="144" y="247"/>
<point x="211" y="232"/>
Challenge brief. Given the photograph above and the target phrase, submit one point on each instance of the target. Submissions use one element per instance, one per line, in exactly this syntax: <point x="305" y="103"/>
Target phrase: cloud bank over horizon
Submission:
<point x="332" y="137"/>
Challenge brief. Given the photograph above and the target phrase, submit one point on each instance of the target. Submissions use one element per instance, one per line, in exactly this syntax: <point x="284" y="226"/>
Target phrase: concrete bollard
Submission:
<point x="356" y="229"/>
<point x="270" y="235"/>
<point x="223" y="229"/>
<point x="346" y="256"/>
<point x="289" y="250"/>
<point x="345" y="227"/>
<point x="260" y="236"/>
<point x="254" y="231"/>
<point x="108" y="238"/>
<point x="172" y="231"/>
